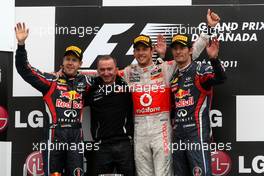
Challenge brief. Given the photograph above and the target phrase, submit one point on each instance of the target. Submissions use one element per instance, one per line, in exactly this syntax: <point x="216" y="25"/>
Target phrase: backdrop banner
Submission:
<point x="110" y="30"/>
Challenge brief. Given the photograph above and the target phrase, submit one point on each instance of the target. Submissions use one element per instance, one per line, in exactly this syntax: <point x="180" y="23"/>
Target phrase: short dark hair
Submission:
<point x="105" y="57"/>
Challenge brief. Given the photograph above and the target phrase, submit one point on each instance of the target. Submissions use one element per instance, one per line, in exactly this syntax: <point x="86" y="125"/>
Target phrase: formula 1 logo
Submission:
<point x="221" y="163"/>
<point x="100" y="46"/>
<point x="145" y="100"/>
<point x="34" y="164"/>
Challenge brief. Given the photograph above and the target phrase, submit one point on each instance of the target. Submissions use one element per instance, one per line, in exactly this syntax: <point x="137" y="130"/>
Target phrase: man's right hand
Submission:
<point x="21" y="33"/>
<point x="161" y="46"/>
<point x="58" y="73"/>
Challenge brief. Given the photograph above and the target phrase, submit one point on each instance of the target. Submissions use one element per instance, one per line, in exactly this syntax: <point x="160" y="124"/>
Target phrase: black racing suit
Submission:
<point x="192" y="92"/>
<point x="112" y="126"/>
<point x="63" y="98"/>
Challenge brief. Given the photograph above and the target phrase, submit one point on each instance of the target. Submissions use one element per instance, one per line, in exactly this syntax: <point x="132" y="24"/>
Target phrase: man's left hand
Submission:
<point x="212" y="18"/>
<point x="213" y="49"/>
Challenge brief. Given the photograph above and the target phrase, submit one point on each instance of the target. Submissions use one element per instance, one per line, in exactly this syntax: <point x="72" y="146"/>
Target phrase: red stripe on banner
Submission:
<point x="48" y="99"/>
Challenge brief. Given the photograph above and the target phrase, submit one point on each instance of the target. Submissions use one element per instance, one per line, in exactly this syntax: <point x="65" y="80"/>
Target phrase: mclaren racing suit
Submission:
<point x="152" y="104"/>
<point x="192" y="91"/>
<point x="63" y="98"/>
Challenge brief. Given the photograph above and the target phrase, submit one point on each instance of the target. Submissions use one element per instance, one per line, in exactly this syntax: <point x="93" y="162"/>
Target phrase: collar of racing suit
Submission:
<point x="186" y="68"/>
<point x="146" y="69"/>
<point x="65" y="76"/>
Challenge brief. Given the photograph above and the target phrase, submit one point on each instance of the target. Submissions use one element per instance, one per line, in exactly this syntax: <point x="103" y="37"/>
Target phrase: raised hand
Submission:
<point x="161" y="46"/>
<point x="213" y="49"/>
<point x="212" y="18"/>
<point x="58" y="73"/>
<point x="21" y="33"/>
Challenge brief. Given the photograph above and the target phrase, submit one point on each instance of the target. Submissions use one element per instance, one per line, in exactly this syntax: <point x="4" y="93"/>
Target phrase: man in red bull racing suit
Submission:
<point x="192" y="91"/>
<point x="63" y="98"/>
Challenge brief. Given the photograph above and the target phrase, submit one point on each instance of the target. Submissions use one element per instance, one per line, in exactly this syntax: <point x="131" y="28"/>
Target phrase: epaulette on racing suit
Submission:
<point x="63" y="99"/>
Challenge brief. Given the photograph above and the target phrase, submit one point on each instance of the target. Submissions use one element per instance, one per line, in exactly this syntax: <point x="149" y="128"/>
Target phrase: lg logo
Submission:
<point x="34" y="120"/>
<point x="3" y="119"/>
<point x="145" y="100"/>
<point x="216" y="118"/>
<point x="257" y="165"/>
<point x="34" y="164"/>
<point x="221" y="163"/>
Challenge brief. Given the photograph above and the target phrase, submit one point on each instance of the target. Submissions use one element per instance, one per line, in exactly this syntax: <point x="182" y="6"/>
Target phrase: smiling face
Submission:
<point x="107" y="70"/>
<point x="181" y="54"/>
<point x="143" y="55"/>
<point x="71" y="64"/>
